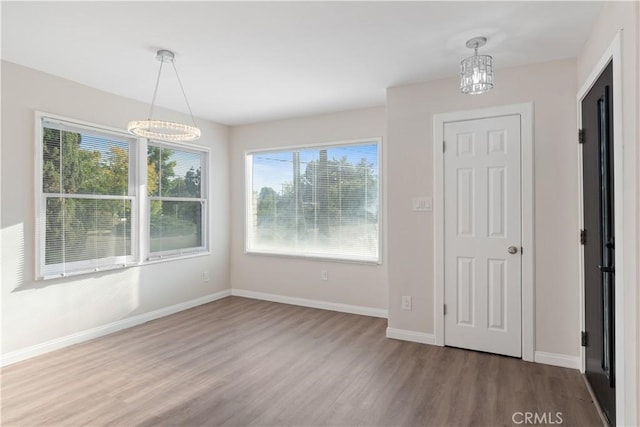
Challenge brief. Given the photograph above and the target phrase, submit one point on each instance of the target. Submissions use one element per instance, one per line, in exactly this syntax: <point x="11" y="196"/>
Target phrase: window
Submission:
<point x="90" y="215"/>
<point x="177" y="204"/>
<point x="86" y="199"/>
<point x="320" y="201"/>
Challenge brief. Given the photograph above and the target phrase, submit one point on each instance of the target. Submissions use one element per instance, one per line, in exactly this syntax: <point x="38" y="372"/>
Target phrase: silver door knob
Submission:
<point x="512" y="250"/>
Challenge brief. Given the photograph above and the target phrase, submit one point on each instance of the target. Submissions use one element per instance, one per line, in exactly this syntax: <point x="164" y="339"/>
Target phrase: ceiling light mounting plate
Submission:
<point x="476" y="42"/>
<point x="164" y="55"/>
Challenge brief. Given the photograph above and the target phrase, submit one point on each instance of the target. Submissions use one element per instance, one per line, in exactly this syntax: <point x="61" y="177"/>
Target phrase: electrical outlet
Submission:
<point x="324" y="274"/>
<point x="205" y="276"/>
<point x="406" y="303"/>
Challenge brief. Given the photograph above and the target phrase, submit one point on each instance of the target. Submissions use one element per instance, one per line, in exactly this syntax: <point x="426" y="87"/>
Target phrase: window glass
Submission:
<point x="86" y="200"/>
<point x="320" y="201"/>
<point x="88" y="208"/>
<point x="176" y="202"/>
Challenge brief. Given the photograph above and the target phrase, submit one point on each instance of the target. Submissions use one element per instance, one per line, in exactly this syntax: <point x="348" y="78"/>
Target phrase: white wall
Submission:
<point x="624" y="17"/>
<point x="36" y="312"/>
<point x="361" y="285"/>
<point x="410" y="109"/>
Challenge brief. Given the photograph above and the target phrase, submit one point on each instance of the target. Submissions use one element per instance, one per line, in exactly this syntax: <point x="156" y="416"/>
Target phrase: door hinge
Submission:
<point x="443" y="146"/>
<point x="583" y="237"/>
<point x="580" y="136"/>
<point x="583" y="339"/>
<point x="444" y="309"/>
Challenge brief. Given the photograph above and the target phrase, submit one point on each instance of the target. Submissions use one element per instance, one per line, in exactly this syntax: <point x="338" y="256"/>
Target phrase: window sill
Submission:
<point x="312" y="257"/>
<point x="107" y="269"/>
<point x="166" y="258"/>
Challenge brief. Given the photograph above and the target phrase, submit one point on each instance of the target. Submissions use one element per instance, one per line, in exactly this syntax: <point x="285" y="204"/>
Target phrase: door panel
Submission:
<point x="599" y="247"/>
<point x="497" y="206"/>
<point x="482" y="220"/>
<point x="466" y="290"/>
<point x="497" y="294"/>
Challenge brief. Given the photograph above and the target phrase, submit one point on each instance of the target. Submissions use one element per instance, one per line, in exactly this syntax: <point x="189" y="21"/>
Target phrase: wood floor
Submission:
<point x="242" y="362"/>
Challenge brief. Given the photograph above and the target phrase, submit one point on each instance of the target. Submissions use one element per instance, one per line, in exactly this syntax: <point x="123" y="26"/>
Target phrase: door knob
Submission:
<point x="512" y="250"/>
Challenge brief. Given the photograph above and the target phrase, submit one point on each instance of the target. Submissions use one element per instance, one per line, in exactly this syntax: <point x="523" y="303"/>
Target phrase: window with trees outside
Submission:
<point x="320" y="201"/>
<point x="176" y="199"/>
<point x="87" y="199"/>
<point x="90" y="213"/>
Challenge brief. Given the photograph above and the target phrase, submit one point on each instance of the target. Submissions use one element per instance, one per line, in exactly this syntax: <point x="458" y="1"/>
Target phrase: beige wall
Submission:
<point x="361" y="285"/>
<point x="36" y="312"/>
<point x="410" y="109"/>
<point x="624" y="17"/>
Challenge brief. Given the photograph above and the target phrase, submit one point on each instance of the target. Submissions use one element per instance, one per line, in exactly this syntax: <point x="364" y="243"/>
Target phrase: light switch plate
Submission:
<point x="422" y="204"/>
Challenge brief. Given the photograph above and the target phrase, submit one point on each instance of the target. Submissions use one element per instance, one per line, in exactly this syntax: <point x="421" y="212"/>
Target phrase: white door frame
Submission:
<point x="525" y="111"/>
<point x="626" y="330"/>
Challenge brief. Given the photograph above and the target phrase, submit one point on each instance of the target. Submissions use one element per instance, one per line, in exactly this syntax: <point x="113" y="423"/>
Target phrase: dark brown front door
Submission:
<point x="599" y="241"/>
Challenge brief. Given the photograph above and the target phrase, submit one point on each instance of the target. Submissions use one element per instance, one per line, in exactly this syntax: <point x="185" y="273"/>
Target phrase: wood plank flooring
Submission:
<point x="242" y="362"/>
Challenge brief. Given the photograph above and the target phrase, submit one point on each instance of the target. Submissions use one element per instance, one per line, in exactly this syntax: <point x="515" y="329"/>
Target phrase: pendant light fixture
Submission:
<point x="160" y="129"/>
<point x="476" y="72"/>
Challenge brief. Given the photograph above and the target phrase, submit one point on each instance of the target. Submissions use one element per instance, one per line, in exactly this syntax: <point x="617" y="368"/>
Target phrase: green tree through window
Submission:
<point x="85" y="186"/>
<point x="90" y="216"/>
<point x="176" y="202"/>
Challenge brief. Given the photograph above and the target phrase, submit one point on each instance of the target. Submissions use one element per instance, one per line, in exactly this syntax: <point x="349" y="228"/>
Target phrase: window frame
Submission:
<point x="44" y="272"/>
<point x="140" y="205"/>
<point x="248" y="201"/>
<point x="203" y="199"/>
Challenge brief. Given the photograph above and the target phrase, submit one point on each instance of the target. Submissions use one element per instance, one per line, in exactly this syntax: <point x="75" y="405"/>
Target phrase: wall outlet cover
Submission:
<point x="422" y="204"/>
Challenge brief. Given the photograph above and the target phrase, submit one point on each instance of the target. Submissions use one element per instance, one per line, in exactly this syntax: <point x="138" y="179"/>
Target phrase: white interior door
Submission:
<point x="482" y="235"/>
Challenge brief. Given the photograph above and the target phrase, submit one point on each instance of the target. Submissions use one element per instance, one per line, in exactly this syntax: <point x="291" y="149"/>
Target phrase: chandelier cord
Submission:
<point x="186" y="101"/>
<point x="155" y="92"/>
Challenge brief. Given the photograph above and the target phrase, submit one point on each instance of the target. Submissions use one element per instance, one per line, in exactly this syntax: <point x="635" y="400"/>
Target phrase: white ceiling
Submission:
<point x="243" y="62"/>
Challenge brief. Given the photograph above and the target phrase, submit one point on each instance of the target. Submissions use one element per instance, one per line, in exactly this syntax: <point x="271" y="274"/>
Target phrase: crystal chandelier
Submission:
<point x="476" y="72"/>
<point x="160" y="129"/>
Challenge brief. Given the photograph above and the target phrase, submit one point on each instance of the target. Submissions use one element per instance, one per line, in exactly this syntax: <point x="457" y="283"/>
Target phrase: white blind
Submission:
<point x="177" y="203"/>
<point x="87" y="199"/>
<point x="320" y="201"/>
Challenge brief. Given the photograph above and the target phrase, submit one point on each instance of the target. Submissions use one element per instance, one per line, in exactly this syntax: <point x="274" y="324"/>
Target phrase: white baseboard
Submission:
<point x="324" y="305"/>
<point x="405" y="335"/>
<point x="78" y="337"/>
<point x="556" y="359"/>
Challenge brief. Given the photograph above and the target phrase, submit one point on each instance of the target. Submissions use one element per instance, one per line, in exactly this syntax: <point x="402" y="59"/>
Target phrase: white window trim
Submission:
<point x="247" y="188"/>
<point x="140" y="237"/>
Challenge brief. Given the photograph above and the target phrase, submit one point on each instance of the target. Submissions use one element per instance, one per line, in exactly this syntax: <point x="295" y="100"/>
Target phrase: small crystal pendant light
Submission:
<point x="476" y="72"/>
